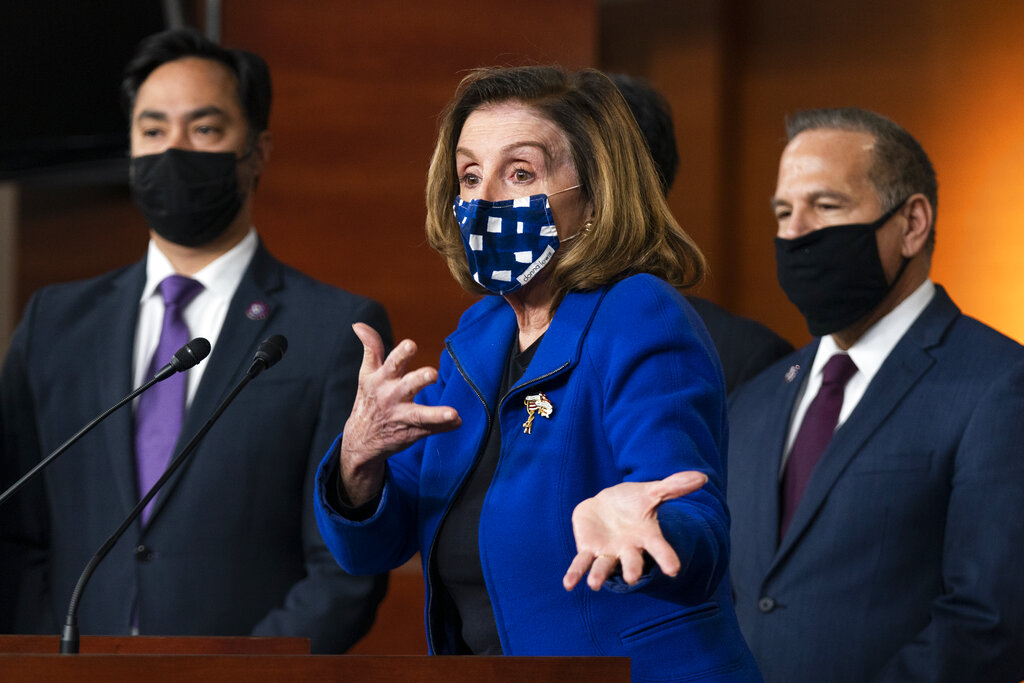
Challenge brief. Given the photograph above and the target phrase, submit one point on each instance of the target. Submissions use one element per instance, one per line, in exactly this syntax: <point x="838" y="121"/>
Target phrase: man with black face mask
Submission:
<point x="875" y="476"/>
<point x="230" y="546"/>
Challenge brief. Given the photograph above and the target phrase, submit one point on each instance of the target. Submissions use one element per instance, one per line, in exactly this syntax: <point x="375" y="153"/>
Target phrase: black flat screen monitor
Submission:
<point x="60" y="71"/>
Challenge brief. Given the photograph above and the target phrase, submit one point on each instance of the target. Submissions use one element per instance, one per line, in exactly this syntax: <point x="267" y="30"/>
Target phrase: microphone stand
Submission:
<point x="67" y="444"/>
<point x="69" y="639"/>
<point x="185" y="358"/>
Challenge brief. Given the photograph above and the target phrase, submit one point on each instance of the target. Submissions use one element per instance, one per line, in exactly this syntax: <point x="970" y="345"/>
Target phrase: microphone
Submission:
<point x="268" y="353"/>
<point x="186" y="357"/>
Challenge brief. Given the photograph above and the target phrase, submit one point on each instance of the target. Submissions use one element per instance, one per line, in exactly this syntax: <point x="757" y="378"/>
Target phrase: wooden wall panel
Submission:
<point x="359" y="87"/>
<point x="68" y="233"/>
<point x="677" y="48"/>
<point x="949" y="72"/>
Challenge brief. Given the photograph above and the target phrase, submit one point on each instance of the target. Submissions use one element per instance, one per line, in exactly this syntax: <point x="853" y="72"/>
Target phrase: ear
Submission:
<point x="261" y="152"/>
<point x="919" y="214"/>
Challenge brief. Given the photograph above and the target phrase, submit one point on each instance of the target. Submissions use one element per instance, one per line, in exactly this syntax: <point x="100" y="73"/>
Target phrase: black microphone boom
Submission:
<point x="269" y="352"/>
<point x="184" y="358"/>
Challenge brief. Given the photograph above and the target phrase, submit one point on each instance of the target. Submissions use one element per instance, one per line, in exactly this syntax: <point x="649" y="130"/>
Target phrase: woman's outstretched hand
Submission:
<point x="384" y="418"/>
<point x="619" y="524"/>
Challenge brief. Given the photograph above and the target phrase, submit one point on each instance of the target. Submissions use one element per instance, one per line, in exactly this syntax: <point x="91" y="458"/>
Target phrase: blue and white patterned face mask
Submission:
<point x="508" y="242"/>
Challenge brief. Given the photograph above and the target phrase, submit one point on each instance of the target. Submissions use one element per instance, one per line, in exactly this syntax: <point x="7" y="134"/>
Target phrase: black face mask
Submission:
<point x="834" y="275"/>
<point x="189" y="198"/>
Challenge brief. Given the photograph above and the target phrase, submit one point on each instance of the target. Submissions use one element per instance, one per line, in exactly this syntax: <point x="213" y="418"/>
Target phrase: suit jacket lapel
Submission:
<point x="231" y="355"/>
<point x="776" y="421"/>
<point x="120" y="311"/>
<point x="906" y="364"/>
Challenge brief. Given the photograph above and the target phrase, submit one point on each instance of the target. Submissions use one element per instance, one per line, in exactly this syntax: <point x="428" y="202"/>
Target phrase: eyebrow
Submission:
<point x="513" y="146"/>
<point x="193" y="115"/>
<point x="813" y="197"/>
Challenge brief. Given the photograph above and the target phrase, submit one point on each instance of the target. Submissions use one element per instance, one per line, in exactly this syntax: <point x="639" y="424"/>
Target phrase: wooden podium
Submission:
<point x="33" y="659"/>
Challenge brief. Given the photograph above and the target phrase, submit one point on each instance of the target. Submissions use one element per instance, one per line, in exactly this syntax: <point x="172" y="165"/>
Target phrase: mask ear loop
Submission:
<point x="585" y="231"/>
<point x="906" y="261"/>
<point x="571" y="187"/>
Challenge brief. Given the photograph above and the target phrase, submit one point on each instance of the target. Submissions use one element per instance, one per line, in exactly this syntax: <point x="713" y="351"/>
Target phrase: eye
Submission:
<point x="521" y="175"/>
<point x="782" y="213"/>
<point x="206" y="130"/>
<point x="469" y="180"/>
<point x="828" y="205"/>
<point x="151" y="132"/>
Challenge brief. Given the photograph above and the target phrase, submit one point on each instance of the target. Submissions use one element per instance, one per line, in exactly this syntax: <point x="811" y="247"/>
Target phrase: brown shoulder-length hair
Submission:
<point x="633" y="230"/>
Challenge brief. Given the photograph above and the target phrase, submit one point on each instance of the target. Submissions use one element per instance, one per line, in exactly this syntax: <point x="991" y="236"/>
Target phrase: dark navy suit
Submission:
<point x="745" y="346"/>
<point x="232" y="547"/>
<point x="904" y="559"/>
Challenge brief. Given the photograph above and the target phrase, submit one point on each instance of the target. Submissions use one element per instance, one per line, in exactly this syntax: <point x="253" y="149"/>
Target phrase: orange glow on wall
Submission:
<point x="980" y="159"/>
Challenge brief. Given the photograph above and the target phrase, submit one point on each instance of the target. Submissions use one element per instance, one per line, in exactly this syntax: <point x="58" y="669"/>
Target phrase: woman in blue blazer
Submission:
<point x="532" y="457"/>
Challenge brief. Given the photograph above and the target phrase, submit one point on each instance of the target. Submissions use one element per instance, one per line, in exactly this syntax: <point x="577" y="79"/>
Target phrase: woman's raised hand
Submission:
<point x="384" y="418"/>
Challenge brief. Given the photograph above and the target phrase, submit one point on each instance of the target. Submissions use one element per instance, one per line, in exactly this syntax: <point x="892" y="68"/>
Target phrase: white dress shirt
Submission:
<point x="868" y="353"/>
<point x="204" y="315"/>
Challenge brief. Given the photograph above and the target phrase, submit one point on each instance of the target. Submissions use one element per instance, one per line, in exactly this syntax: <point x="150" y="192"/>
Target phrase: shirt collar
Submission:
<point x="874" y="346"/>
<point x="220" y="277"/>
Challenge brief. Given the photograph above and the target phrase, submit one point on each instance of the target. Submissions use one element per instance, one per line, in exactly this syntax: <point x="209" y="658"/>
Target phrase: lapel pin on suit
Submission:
<point x="536" y="404"/>
<point x="257" y="310"/>
<point x="791" y="374"/>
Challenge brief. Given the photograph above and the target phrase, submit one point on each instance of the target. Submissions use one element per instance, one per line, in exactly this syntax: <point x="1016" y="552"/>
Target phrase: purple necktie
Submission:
<point x="815" y="432"/>
<point x="161" y="409"/>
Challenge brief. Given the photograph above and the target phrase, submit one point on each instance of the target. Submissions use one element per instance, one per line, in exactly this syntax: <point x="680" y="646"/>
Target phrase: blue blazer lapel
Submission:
<point x="563" y="342"/>
<point x="479" y="348"/>
<point x="904" y="367"/>
<point x="495" y="325"/>
<point x="119" y="310"/>
<point x="232" y="354"/>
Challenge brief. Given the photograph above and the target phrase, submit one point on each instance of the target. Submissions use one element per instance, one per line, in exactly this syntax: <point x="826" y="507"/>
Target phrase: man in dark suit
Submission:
<point x="744" y="346"/>
<point x="875" y="476"/>
<point x="230" y="546"/>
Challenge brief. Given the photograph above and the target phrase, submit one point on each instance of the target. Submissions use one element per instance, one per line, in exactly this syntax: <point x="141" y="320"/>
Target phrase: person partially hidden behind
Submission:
<point x="584" y="369"/>
<point x="875" y="476"/>
<point x="745" y="346"/>
<point x="230" y="546"/>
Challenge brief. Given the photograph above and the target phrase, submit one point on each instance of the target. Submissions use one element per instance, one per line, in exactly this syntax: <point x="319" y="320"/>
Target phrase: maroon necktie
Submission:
<point x="161" y="410"/>
<point x="815" y="432"/>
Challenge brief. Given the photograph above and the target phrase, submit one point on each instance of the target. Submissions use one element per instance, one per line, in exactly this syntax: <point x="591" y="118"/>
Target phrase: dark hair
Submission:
<point x="633" y="230"/>
<point x="900" y="168"/>
<point x="654" y="116"/>
<point x="251" y="72"/>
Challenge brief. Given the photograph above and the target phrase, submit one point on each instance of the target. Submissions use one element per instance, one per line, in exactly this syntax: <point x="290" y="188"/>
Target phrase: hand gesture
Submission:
<point x="384" y="418"/>
<point x="619" y="524"/>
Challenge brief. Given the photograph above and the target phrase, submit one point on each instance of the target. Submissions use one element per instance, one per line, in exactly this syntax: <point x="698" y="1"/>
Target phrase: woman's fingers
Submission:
<point x="632" y="563"/>
<point x="413" y="382"/>
<point x="577" y="568"/>
<point x="390" y="367"/>
<point x="601" y="569"/>
<point x="677" y="485"/>
<point x="421" y="421"/>
<point x="663" y="554"/>
<point x="373" y="348"/>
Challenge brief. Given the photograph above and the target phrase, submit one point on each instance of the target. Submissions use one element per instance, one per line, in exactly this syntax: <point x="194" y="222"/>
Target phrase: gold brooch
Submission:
<point x="538" y="404"/>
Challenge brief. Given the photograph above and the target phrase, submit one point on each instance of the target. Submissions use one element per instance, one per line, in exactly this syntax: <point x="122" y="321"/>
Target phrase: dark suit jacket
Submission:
<point x="232" y="547"/>
<point x="904" y="558"/>
<point x="745" y="346"/>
